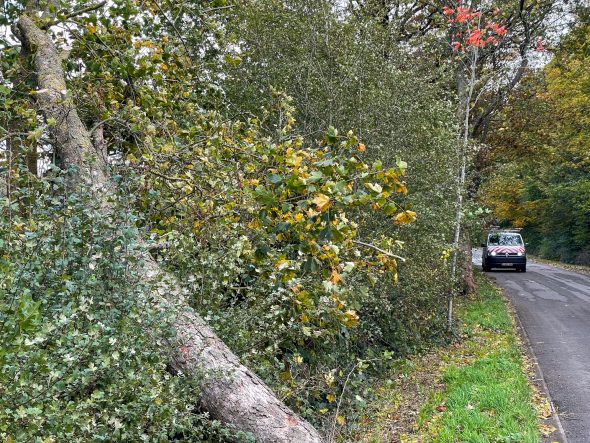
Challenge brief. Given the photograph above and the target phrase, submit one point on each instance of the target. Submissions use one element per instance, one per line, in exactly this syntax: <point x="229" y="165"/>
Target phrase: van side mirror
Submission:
<point x="483" y="245"/>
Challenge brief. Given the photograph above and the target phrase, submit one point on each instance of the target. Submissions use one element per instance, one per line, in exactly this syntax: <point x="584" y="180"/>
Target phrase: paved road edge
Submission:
<point x="539" y="377"/>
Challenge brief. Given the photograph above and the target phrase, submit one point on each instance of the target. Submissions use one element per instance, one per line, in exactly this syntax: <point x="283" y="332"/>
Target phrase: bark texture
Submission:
<point x="230" y="392"/>
<point x="467" y="266"/>
<point x="71" y="136"/>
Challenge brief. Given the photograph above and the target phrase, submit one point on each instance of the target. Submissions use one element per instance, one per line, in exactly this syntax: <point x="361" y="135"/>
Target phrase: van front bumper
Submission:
<point x="502" y="261"/>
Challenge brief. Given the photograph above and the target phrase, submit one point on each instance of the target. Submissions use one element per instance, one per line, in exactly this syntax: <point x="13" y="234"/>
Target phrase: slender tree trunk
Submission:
<point x="463" y="145"/>
<point x="230" y="392"/>
<point x="467" y="264"/>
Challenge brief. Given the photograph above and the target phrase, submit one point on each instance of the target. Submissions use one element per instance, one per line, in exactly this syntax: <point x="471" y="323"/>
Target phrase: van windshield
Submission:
<point x="504" y="239"/>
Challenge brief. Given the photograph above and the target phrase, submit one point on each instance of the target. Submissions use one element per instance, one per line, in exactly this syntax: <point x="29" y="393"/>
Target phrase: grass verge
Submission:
<point x="476" y="390"/>
<point x="567" y="266"/>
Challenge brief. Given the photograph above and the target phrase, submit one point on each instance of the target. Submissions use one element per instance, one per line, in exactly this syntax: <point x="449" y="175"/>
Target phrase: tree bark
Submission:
<point x="467" y="268"/>
<point x="229" y="391"/>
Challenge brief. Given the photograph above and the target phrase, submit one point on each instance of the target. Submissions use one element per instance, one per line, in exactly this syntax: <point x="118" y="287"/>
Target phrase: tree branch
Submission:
<point x="74" y="14"/>
<point x="382" y="251"/>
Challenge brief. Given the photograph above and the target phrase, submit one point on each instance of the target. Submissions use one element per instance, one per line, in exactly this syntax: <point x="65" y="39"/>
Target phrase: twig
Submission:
<point x="333" y="431"/>
<point x="74" y="14"/>
<point x="218" y="8"/>
<point x="86" y="9"/>
<point x="383" y="251"/>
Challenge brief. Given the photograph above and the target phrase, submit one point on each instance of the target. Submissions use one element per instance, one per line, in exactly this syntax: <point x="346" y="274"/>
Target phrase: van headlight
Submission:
<point x="493" y="253"/>
<point x="520" y="254"/>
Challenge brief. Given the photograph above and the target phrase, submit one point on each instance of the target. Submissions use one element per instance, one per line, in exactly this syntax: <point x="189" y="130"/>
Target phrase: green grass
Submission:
<point x="487" y="396"/>
<point x="474" y="391"/>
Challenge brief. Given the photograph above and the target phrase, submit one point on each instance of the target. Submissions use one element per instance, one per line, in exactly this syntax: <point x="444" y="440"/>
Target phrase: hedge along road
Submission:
<point x="554" y="308"/>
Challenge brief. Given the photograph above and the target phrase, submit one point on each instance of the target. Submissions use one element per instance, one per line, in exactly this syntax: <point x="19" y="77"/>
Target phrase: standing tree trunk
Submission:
<point x="230" y="392"/>
<point x="467" y="265"/>
<point x="465" y="97"/>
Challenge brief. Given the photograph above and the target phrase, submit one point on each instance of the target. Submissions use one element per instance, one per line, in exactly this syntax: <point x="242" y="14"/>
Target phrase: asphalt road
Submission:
<point x="554" y="308"/>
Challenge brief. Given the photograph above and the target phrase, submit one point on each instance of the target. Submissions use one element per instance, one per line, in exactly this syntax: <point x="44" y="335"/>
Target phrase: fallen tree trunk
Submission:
<point x="230" y="391"/>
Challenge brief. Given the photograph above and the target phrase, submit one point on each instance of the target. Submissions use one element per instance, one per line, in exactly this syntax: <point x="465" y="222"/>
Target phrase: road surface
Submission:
<point x="554" y="308"/>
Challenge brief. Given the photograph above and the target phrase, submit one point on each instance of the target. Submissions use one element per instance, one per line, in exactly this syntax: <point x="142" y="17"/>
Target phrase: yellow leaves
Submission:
<point x="254" y="224"/>
<point x="351" y="319"/>
<point x="91" y="28"/>
<point x="311" y="213"/>
<point x="292" y="159"/>
<point x="547" y="430"/>
<point x="361" y="147"/>
<point x="446" y="253"/>
<point x="144" y="44"/>
<point x="335" y="278"/>
<point x="168" y="148"/>
<point x="331" y="398"/>
<point x="322" y="202"/>
<point x="404" y="218"/>
<point x="400" y="188"/>
<point x="341" y="420"/>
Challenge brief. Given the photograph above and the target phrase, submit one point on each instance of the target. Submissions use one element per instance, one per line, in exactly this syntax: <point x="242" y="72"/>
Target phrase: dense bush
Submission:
<point x="82" y="355"/>
<point x="260" y="204"/>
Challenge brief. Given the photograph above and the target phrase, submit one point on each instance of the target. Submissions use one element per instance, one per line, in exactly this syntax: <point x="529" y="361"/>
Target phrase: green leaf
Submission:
<point x="326" y="234"/>
<point x="332" y="135"/>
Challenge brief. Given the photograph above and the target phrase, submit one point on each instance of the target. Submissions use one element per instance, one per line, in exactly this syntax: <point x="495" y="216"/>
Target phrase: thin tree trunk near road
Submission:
<point x="463" y="145"/>
<point x="467" y="266"/>
<point x="229" y="391"/>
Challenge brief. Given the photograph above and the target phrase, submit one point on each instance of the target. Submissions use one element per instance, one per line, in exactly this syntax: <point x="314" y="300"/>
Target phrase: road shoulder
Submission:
<point x="548" y="415"/>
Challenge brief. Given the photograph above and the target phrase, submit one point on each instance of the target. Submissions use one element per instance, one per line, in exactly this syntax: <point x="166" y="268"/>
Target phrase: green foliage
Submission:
<point x="283" y="230"/>
<point x="82" y="349"/>
<point x="539" y="170"/>
<point x="347" y="73"/>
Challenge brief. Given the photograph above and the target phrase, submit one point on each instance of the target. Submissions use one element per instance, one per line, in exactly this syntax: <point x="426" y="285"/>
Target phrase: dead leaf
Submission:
<point x="546" y="430"/>
<point x="404" y="218"/>
<point x="335" y="278"/>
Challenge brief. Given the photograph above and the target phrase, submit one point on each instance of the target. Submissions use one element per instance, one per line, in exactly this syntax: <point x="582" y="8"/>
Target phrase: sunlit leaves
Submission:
<point x="322" y="202"/>
<point x="404" y="218"/>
